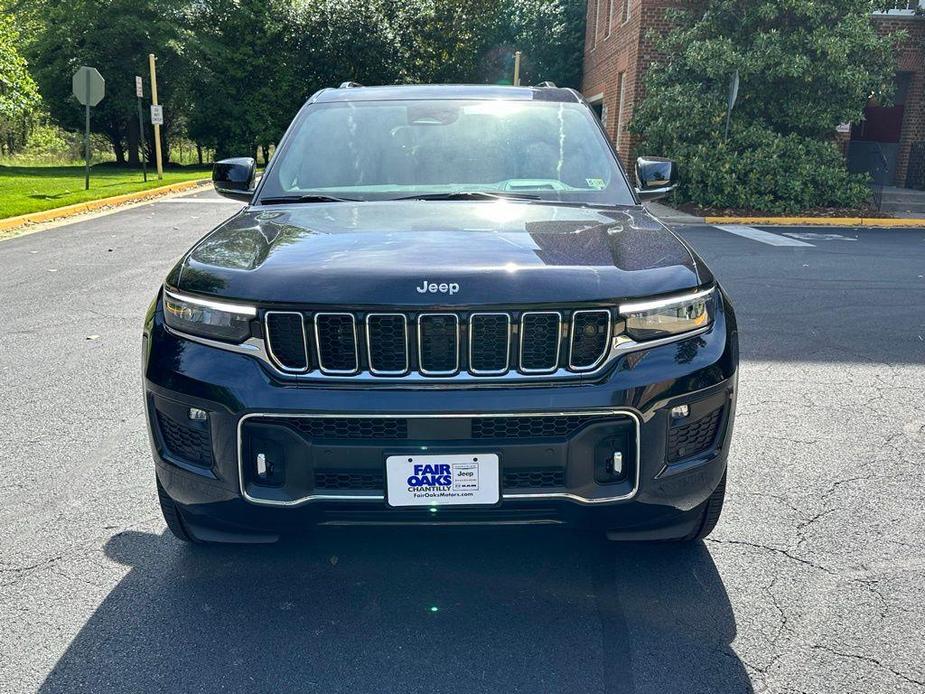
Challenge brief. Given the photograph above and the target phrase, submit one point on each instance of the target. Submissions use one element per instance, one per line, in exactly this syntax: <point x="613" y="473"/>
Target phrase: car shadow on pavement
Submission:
<point x="396" y="610"/>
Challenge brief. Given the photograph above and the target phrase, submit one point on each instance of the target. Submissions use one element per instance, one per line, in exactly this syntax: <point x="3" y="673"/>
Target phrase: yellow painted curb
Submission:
<point x="818" y="221"/>
<point x="91" y="205"/>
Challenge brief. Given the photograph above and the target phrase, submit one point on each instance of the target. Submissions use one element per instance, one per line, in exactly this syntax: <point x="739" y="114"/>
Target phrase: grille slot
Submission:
<point x="286" y="340"/>
<point x="428" y="344"/>
<point x="690" y="439"/>
<point x="438" y="343"/>
<point x="589" y="339"/>
<point x="559" y="426"/>
<point x="336" y="338"/>
<point x="342" y="428"/>
<point x="344" y="480"/>
<point x="533" y="479"/>
<point x="489" y="343"/>
<point x="187" y="443"/>
<point x="539" y="341"/>
<point x="387" y="343"/>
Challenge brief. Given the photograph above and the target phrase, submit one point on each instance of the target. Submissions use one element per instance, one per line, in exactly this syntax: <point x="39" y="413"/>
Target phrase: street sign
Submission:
<point x="733" y="97"/>
<point x="88" y="86"/>
<point x="157" y="114"/>
<point x="139" y="92"/>
<point x="733" y="90"/>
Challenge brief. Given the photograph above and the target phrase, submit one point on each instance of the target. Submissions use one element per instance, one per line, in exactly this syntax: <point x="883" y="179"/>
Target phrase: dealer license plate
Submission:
<point x="442" y="480"/>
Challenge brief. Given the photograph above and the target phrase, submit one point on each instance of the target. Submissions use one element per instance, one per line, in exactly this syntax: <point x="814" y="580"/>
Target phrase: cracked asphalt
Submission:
<point x="812" y="582"/>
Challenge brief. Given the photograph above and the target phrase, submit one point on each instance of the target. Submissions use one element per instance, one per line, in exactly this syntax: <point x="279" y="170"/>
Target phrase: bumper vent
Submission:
<point x="530" y="427"/>
<point x="690" y="439"/>
<point x="398" y="345"/>
<point x="340" y="480"/>
<point x="347" y="428"/>
<point x="184" y="442"/>
<point x="286" y="340"/>
<point x="533" y="479"/>
<point x="396" y="428"/>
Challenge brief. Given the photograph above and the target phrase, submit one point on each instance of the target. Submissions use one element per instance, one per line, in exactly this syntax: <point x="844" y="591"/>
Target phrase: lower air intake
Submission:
<point x="691" y="439"/>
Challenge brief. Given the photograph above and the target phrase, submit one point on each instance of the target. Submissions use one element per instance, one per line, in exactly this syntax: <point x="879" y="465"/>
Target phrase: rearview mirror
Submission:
<point x="655" y="177"/>
<point x="234" y="178"/>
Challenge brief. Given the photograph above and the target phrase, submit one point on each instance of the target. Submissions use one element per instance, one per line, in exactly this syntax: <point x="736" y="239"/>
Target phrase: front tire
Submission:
<point x="711" y="513"/>
<point x="172" y="516"/>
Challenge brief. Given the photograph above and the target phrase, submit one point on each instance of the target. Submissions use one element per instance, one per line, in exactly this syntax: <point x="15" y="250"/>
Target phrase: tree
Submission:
<point x="551" y="35"/>
<point x="243" y="93"/>
<point x="114" y="36"/>
<point x="805" y="67"/>
<point x="19" y="96"/>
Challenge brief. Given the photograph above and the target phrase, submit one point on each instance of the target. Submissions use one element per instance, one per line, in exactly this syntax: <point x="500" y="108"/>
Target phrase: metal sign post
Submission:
<point x="157" y="124"/>
<point x="139" y="92"/>
<point x="89" y="87"/>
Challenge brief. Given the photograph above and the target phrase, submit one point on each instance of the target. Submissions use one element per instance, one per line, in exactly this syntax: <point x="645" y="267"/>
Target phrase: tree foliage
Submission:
<point x="114" y="36"/>
<point x="805" y="67"/>
<point x="19" y="96"/>
<point x="233" y="73"/>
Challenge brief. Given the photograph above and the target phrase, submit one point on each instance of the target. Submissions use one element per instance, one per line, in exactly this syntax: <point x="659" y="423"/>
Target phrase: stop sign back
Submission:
<point x="88" y="86"/>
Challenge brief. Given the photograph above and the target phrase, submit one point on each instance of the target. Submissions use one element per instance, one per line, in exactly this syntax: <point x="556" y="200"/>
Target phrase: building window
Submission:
<point x="609" y="17"/>
<point x="621" y="90"/>
<point x="626" y="11"/>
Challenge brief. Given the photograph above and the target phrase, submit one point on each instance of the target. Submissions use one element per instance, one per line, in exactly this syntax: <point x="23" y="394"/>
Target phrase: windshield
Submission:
<point x="379" y="150"/>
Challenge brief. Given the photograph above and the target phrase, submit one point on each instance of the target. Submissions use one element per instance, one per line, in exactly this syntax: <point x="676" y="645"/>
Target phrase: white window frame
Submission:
<point x="621" y="94"/>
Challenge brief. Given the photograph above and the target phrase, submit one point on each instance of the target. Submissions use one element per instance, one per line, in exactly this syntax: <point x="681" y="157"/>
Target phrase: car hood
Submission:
<point x="384" y="253"/>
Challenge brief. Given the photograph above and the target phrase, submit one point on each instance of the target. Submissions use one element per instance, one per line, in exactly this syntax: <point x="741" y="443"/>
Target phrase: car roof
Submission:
<point x="446" y="91"/>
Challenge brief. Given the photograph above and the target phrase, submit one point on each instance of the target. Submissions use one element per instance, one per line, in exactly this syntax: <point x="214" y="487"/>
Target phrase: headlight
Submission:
<point x="660" y="318"/>
<point x="213" y="319"/>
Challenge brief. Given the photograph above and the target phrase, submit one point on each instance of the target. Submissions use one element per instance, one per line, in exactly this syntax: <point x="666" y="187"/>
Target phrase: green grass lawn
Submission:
<point x="25" y="189"/>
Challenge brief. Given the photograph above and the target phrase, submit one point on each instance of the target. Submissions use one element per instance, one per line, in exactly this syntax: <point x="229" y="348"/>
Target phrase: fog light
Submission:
<point x="680" y="412"/>
<point x="198" y="415"/>
<point x="617" y="466"/>
<point x="262" y="466"/>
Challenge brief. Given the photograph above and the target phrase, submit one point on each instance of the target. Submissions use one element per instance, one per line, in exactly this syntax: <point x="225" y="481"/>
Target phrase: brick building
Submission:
<point x="619" y="49"/>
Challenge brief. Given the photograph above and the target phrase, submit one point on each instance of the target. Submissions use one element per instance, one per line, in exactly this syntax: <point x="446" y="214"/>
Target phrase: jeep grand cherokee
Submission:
<point x="441" y="305"/>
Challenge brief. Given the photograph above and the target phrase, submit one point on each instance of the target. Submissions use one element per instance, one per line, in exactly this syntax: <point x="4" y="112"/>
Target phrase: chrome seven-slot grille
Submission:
<point x="483" y="344"/>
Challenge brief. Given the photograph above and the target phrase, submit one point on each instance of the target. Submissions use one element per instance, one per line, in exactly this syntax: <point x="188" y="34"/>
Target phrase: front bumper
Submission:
<point x="330" y="441"/>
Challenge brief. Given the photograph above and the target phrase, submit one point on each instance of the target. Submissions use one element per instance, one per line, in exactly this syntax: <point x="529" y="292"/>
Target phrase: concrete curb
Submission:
<point x="890" y="223"/>
<point x="92" y="205"/>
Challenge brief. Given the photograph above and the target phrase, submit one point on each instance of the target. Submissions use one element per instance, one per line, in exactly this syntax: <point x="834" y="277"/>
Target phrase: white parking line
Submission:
<point x="762" y="236"/>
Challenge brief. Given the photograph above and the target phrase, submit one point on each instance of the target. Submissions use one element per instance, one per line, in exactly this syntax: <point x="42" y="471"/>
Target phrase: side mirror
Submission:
<point x="655" y="177"/>
<point x="234" y="178"/>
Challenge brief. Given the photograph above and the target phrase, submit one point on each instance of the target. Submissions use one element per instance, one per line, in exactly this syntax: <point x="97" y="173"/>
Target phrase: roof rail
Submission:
<point x="547" y="83"/>
<point x="349" y="85"/>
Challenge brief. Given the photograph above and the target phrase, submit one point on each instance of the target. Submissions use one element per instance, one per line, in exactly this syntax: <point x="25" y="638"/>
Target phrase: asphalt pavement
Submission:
<point x="812" y="582"/>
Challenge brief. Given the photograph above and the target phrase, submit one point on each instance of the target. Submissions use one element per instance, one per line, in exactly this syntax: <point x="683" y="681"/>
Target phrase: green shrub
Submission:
<point x="805" y="67"/>
<point x="758" y="169"/>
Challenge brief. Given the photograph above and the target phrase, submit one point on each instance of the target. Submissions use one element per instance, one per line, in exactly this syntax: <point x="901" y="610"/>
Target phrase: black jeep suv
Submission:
<point x="441" y="305"/>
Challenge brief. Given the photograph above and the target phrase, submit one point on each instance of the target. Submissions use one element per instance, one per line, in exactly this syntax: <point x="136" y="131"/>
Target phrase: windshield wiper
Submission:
<point x="312" y="197"/>
<point x="470" y="195"/>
